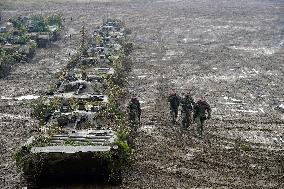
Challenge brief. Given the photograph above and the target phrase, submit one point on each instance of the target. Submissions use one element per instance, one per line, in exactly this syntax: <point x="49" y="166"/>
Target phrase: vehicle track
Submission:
<point x="223" y="49"/>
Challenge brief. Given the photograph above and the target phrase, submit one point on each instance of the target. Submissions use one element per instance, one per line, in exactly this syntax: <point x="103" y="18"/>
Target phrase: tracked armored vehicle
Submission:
<point x="76" y="140"/>
<point x="40" y="29"/>
<point x="82" y="133"/>
<point x="20" y="36"/>
<point x="73" y="153"/>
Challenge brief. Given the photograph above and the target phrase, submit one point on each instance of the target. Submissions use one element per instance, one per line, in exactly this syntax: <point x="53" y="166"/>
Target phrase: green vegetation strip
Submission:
<point x="21" y="36"/>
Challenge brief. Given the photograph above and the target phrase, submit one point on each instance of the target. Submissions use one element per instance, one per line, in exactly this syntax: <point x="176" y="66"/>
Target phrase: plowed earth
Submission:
<point x="229" y="51"/>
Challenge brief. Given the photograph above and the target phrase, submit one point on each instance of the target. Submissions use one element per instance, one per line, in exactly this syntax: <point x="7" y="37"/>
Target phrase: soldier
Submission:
<point x="174" y="101"/>
<point x="187" y="104"/>
<point x="200" y="110"/>
<point x="134" y="110"/>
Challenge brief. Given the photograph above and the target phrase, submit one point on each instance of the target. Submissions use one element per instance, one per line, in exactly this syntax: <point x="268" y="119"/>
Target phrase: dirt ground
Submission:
<point x="229" y="51"/>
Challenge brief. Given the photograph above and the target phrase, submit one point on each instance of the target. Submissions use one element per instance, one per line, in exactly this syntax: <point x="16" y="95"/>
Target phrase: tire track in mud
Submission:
<point x="164" y="157"/>
<point x="183" y="161"/>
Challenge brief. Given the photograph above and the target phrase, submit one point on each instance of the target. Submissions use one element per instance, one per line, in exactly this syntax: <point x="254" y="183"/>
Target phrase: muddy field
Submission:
<point x="229" y="51"/>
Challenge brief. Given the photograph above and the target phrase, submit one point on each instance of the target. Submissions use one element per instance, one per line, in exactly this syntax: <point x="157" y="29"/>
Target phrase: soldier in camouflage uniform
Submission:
<point x="134" y="110"/>
<point x="202" y="111"/>
<point x="187" y="104"/>
<point x="174" y="101"/>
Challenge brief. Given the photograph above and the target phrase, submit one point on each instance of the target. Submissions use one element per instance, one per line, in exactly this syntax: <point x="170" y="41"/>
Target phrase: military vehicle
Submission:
<point x="23" y="52"/>
<point x="19" y="37"/>
<point x="54" y="32"/>
<point x="4" y="68"/>
<point x="42" y="30"/>
<point x="43" y="41"/>
<point x="74" y="154"/>
<point x="82" y="132"/>
<point x="76" y="141"/>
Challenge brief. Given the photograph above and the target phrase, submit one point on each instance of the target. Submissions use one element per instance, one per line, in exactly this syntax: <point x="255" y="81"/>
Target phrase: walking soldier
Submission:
<point x="134" y="110"/>
<point x="202" y="111"/>
<point x="187" y="104"/>
<point x="174" y="101"/>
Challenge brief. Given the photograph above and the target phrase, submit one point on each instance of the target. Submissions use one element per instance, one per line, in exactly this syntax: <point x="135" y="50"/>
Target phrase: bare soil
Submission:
<point x="229" y="51"/>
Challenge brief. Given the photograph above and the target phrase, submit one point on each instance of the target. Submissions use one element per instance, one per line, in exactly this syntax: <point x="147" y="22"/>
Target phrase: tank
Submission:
<point x="80" y="133"/>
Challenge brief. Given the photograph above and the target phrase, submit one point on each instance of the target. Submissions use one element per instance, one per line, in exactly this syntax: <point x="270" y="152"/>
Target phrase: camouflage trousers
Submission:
<point x="186" y="119"/>
<point x="134" y="117"/>
<point x="200" y="124"/>
<point x="174" y="113"/>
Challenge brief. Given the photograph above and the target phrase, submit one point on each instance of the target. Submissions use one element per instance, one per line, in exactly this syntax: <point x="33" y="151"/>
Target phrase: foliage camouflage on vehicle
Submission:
<point x="81" y="117"/>
<point x="19" y="38"/>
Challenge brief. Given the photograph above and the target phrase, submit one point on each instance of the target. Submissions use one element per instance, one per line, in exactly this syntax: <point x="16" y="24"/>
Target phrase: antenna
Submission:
<point x="83" y="40"/>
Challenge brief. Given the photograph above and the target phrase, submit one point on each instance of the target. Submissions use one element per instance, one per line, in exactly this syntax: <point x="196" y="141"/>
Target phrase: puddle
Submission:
<point x="25" y="97"/>
<point x="228" y="103"/>
<point x="6" y="98"/>
<point x="228" y="147"/>
<point x="12" y="116"/>
<point x="233" y="101"/>
<point x="244" y="111"/>
<point x="262" y="111"/>
<point x="236" y="100"/>
<point x="142" y="76"/>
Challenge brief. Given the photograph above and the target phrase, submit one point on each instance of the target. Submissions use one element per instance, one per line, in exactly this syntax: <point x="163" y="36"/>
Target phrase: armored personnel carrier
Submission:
<point x="20" y="36"/>
<point x="73" y="154"/>
<point x="76" y="140"/>
<point x="41" y="29"/>
<point x="23" y="52"/>
<point x="82" y="134"/>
